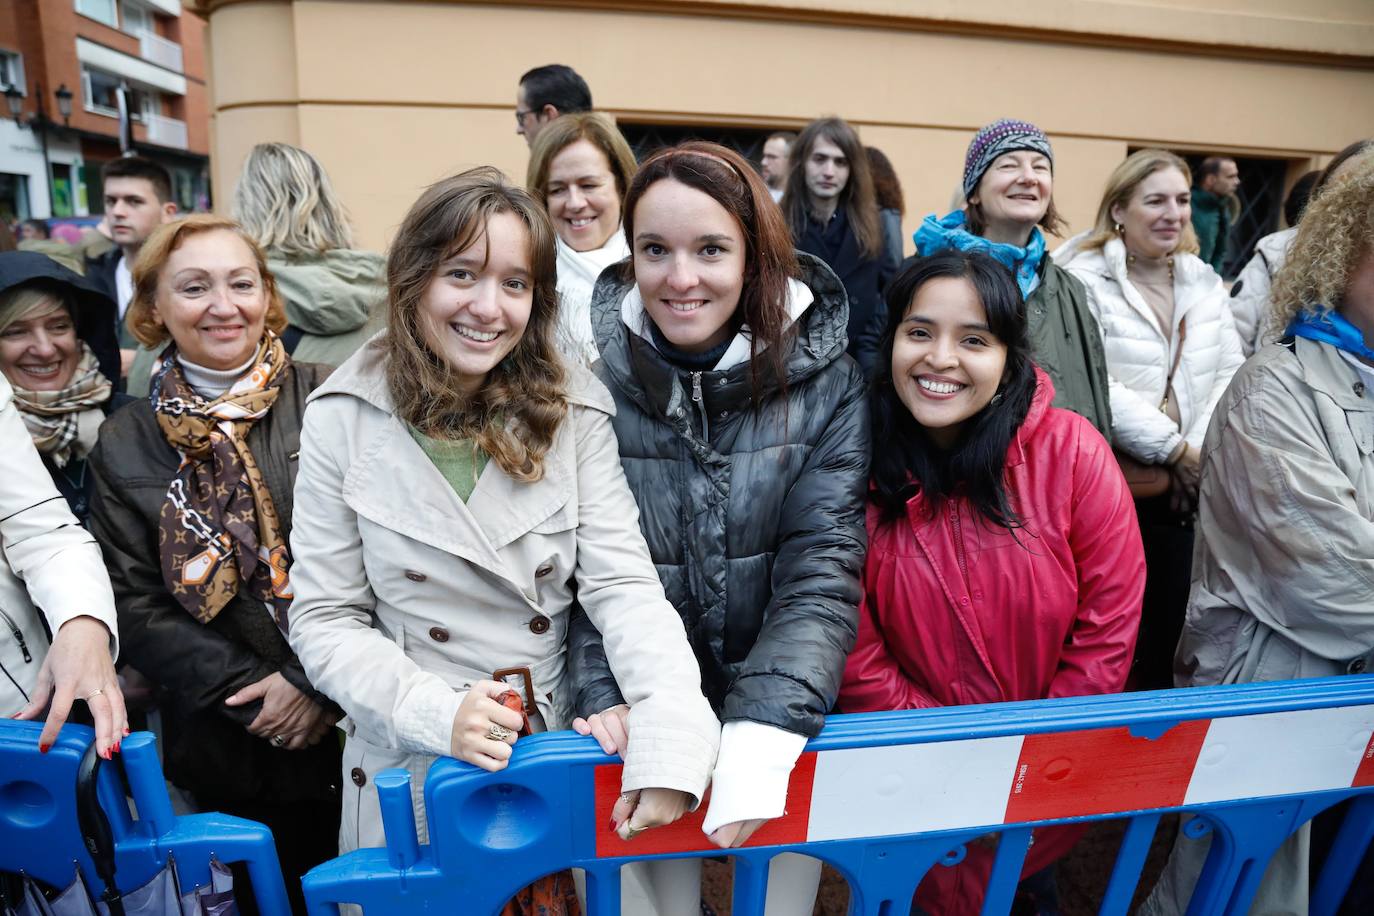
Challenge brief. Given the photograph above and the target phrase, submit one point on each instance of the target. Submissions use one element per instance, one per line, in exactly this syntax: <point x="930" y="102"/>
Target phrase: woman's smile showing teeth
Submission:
<point x="475" y="335"/>
<point x="46" y="371"/>
<point x="685" y="305"/>
<point x="939" y="387"/>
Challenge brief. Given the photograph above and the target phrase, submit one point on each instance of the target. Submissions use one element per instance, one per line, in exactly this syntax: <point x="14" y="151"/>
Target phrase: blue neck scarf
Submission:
<point x="937" y="234"/>
<point x="1331" y="328"/>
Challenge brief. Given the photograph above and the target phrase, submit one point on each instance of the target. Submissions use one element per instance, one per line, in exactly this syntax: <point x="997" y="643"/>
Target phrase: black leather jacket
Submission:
<point x="754" y="513"/>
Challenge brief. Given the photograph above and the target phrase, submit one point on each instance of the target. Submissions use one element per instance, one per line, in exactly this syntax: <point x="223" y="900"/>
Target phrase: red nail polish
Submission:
<point x="107" y="755"/>
<point x="615" y="824"/>
<point x="43" y="748"/>
<point x="126" y="731"/>
<point x="116" y="747"/>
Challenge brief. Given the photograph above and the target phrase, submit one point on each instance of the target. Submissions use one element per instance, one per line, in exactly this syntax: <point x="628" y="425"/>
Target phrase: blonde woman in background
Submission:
<point x="1171" y="350"/>
<point x="332" y="291"/>
<point x="580" y="169"/>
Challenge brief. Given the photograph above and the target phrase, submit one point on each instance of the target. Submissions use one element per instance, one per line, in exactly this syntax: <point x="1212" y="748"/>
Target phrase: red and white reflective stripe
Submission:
<point x="902" y="789"/>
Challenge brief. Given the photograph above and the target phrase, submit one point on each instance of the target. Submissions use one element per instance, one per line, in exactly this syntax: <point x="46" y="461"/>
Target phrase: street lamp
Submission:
<point x="39" y="122"/>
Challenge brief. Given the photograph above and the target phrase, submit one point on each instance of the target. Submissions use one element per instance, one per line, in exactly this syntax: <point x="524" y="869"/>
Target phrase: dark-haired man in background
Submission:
<point x="1214" y="208"/>
<point x="138" y="199"/>
<point x="545" y="93"/>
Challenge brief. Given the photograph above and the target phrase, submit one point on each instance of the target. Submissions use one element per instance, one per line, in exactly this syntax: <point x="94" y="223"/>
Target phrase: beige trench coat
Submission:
<point x="1283" y="571"/>
<point x="404" y="595"/>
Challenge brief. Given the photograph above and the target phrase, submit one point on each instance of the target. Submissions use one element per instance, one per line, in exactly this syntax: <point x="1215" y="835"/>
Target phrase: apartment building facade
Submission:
<point x="62" y="66"/>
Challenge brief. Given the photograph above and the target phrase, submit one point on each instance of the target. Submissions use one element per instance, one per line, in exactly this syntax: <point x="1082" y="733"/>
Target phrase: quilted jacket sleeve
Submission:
<point x="1230" y="356"/>
<point x="791" y="677"/>
<point x="1105" y="540"/>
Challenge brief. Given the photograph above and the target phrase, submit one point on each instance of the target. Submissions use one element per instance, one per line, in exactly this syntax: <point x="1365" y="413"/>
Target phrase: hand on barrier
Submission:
<point x="737" y="834"/>
<point x="637" y="811"/>
<point x="288" y="718"/>
<point x="79" y="665"/>
<point x="484" y="729"/>
<point x="611" y="729"/>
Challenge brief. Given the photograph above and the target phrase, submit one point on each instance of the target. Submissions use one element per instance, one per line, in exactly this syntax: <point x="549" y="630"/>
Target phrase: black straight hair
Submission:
<point x="557" y="85"/>
<point x="905" y="459"/>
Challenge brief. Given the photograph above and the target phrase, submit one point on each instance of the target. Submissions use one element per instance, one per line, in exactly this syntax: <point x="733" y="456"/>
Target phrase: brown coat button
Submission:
<point x="539" y="626"/>
<point x="359" y="777"/>
<point x="438" y="634"/>
<point x="543" y="570"/>
<point x="414" y="576"/>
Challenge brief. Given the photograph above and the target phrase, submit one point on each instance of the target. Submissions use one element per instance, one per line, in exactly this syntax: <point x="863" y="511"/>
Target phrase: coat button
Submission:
<point x="438" y="634"/>
<point x="359" y="777"/>
<point x="414" y="576"/>
<point x="539" y="626"/>
<point x="543" y="570"/>
<point x="1356" y="667"/>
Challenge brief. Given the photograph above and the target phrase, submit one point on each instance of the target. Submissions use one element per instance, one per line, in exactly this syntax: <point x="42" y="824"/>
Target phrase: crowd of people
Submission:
<point x="681" y="454"/>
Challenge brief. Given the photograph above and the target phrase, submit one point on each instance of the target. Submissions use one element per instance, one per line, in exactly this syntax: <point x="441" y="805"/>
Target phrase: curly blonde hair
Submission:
<point x="515" y="414"/>
<point x="142" y="317"/>
<point x="1335" y="233"/>
<point x="1122" y="184"/>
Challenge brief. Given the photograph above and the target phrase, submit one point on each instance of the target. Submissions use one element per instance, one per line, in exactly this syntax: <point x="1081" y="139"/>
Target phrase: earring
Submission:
<point x="1117" y="227"/>
<point x="996" y="398"/>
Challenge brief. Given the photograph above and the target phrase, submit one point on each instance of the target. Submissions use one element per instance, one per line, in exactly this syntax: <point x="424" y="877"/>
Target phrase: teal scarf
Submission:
<point x="937" y="234"/>
<point x="1332" y="328"/>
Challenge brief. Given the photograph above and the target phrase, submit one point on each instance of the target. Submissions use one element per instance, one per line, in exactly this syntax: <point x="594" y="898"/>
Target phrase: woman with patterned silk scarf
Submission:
<point x="192" y="508"/>
<point x="59" y="353"/>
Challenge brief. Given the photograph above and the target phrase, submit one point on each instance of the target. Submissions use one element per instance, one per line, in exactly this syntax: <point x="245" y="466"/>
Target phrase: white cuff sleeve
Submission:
<point x="750" y="780"/>
<point x="424" y="724"/>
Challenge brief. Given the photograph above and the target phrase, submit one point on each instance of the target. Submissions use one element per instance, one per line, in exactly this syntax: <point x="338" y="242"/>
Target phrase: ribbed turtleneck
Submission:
<point x="211" y="383"/>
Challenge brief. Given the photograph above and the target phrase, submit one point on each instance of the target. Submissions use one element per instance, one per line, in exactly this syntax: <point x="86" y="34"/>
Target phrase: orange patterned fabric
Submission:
<point x="219" y="529"/>
<point x="551" y="895"/>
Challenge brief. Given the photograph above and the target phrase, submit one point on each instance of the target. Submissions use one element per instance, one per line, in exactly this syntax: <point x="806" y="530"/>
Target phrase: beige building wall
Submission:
<point x="393" y="95"/>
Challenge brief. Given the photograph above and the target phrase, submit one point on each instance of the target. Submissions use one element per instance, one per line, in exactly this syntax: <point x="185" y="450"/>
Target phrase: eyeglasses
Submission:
<point x="520" y="115"/>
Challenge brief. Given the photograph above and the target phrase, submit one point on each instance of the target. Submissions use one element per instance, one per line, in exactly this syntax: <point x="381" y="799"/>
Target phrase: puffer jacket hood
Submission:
<point x="332" y="292"/>
<point x="95" y="311"/>
<point x="646" y="377"/>
<point x="752" y="509"/>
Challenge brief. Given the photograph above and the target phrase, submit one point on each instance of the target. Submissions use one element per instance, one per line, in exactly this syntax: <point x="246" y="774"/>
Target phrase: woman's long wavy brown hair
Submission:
<point x="515" y="414"/>
<point x="1335" y="232"/>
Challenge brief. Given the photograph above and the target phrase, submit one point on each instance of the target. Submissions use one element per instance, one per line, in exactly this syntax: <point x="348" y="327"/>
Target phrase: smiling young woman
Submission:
<point x="738" y="411"/>
<point x="1009" y="187"/>
<point x="1003" y="560"/>
<point x="580" y="168"/>
<point x="1172" y="349"/>
<point x="457" y="480"/>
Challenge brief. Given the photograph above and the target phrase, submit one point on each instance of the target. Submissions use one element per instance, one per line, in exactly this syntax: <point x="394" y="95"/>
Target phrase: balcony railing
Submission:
<point x="158" y="50"/>
<point x="165" y="131"/>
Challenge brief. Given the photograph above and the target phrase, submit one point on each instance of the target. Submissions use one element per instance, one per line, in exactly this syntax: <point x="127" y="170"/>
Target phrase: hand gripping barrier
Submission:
<point x="40" y="836"/>
<point x="884" y="797"/>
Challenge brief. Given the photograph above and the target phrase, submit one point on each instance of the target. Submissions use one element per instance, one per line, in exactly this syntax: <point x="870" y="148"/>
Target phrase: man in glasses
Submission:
<point x="545" y="93"/>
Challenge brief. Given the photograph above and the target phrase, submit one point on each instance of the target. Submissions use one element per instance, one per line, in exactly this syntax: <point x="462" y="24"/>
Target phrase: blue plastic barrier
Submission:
<point x="885" y="797"/>
<point x="42" y="839"/>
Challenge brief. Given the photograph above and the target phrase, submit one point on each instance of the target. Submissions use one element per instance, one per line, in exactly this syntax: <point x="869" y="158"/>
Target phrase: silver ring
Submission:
<point x="278" y="741"/>
<point x="94" y="693"/>
<point x="498" y="732"/>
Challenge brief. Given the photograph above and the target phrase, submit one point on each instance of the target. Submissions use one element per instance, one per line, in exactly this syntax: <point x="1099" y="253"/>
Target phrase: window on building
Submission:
<point x="99" y="90"/>
<point x="137" y="18"/>
<point x="100" y="10"/>
<point x="12" y="70"/>
<point x="14" y="197"/>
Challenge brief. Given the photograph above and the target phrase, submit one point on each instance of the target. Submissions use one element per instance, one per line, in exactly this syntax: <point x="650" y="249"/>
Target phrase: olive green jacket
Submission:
<point x="1068" y="345"/>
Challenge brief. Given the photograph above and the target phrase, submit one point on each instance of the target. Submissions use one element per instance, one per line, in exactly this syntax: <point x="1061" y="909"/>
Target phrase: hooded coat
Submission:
<point x="956" y="612"/>
<point x="753" y="512"/>
<point x="335" y="300"/>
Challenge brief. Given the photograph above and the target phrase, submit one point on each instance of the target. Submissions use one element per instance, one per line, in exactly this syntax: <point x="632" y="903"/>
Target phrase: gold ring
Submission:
<point x="498" y="732"/>
<point x="634" y="832"/>
<point x="94" y="693"/>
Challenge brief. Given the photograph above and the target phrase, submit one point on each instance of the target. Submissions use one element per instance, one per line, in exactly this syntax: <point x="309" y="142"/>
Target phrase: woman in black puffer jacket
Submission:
<point x="744" y="435"/>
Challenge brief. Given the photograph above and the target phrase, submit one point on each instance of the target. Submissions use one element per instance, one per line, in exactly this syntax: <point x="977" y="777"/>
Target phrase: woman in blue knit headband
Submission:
<point x="1283" y="574"/>
<point x="1008" y="183"/>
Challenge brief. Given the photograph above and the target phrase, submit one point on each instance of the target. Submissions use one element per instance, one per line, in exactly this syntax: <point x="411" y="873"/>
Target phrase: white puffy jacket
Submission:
<point x="1139" y="355"/>
<point x="1250" y="295"/>
<point x="47" y="561"/>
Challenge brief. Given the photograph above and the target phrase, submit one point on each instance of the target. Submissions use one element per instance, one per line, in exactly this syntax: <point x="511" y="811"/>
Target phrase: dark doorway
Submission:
<point x="647" y="138"/>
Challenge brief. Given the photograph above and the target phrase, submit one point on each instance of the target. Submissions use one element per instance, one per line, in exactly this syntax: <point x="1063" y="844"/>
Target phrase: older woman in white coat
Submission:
<point x="457" y="482"/>
<point x="1171" y="350"/>
<point x="47" y="560"/>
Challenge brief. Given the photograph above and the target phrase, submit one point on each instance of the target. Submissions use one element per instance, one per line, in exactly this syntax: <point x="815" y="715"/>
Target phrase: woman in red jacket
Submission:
<point x="1004" y="560"/>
